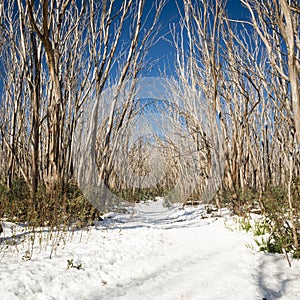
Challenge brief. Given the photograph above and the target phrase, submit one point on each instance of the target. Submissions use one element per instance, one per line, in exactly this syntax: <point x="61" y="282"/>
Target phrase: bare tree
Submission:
<point x="114" y="99"/>
<point x="277" y="24"/>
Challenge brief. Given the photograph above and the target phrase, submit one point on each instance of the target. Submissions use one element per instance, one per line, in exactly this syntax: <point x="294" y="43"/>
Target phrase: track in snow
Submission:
<point x="154" y="252"/>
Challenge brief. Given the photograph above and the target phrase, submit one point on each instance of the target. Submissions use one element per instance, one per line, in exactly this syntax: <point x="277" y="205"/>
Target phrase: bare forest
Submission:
<point x="77" y="138"/>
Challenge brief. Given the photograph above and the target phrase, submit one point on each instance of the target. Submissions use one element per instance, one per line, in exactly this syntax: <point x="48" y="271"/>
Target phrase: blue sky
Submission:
<point x="163" y="51"/>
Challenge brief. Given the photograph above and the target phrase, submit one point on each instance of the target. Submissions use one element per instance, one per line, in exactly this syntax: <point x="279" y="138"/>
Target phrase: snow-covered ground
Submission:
<point x="152" y="252"/>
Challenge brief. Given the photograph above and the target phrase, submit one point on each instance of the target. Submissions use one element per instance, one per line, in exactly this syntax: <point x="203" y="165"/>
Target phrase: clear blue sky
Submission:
<point x="164" y="51"/>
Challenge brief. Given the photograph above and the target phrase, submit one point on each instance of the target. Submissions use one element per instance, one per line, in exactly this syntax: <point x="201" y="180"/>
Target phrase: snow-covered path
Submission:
<point x="153" y="253"/>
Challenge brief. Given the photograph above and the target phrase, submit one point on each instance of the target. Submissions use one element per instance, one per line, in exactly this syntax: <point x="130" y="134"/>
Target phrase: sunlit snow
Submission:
<point x="151" y="252"/>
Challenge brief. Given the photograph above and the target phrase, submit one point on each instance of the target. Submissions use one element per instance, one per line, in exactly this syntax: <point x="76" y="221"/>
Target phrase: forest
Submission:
<point x="81" y="134"/>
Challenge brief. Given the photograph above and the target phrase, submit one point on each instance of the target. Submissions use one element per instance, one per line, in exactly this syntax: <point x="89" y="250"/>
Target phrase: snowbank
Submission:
<point x="151" y="252"/>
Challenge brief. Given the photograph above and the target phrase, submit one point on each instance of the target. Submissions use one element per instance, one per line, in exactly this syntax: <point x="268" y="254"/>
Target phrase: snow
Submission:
<point x="150" y="252"/>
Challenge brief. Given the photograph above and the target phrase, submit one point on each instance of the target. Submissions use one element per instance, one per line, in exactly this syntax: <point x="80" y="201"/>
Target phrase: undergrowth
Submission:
<point x="49" y="219"/>
<point x="271" y="228"/>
